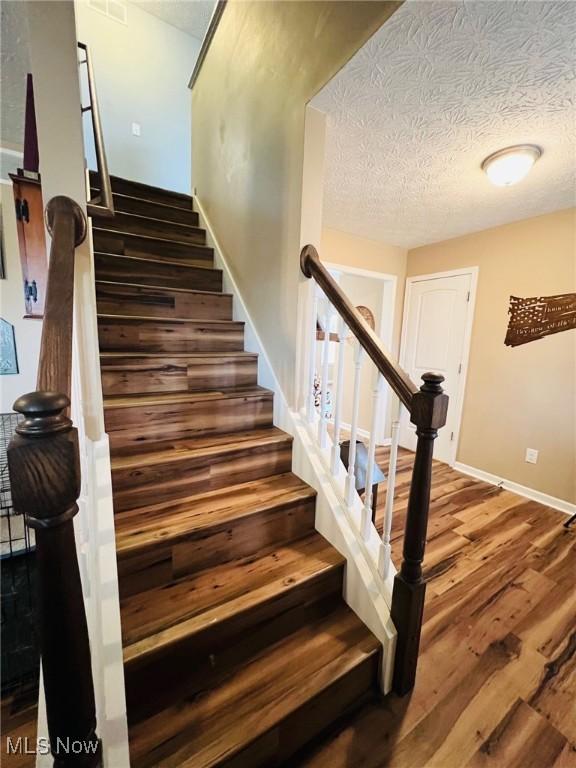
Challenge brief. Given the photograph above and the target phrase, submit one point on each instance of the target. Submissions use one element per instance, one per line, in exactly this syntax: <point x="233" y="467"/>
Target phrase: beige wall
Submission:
<point x="266" y="61"/>
<point x="522" y="397"/>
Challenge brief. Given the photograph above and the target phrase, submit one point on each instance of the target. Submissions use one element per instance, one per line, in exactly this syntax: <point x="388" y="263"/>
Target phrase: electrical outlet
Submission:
<point x="531" y="455"/>
<point x="135" y="129"/>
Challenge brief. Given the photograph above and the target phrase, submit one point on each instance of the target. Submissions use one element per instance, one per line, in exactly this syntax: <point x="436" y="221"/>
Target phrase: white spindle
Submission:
<point x="367" y="511"/>
<point x="323" y="423"/>
<point x="310" y="407"/>
<point x="342" y="333"/>
<point x="390" y="486"/>
<point x="351" y="481"/>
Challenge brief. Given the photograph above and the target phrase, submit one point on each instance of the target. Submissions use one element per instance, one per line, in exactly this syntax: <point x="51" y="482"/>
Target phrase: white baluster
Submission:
<point x="323" y="424"/>
<point x="310" y="407"/>
<point x="342" y="333"/>
<point x="351" y="481"/>
<point x="389" y="508"/>
<point x="367" y="511"/>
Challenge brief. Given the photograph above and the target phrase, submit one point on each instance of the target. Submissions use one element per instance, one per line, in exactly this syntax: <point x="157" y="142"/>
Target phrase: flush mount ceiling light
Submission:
<point x="509" y="166"/>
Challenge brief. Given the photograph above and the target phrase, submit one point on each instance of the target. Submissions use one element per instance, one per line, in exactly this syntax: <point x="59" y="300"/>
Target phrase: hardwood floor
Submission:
<point x="496" y="685"/>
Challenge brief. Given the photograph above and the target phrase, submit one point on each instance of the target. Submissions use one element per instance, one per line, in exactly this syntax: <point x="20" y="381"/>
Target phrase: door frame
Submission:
<point x="458" y="406"/>
<point x="385" y="325"/>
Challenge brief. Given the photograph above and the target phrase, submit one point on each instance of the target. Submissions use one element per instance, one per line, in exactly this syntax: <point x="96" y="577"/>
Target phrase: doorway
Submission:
<point x="374" y="295"/>
<point x="436" y="332"/>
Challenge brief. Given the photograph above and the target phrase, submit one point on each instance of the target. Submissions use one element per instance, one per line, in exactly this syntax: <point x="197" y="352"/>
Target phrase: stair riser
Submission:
<point x="154" y="210"/>
<point x="124" y="244"/>
<point x="340" y="700"/>
<point x="172" y="480"/>
<point x="125" y="299"/>
<point x="277" y="745"/>
<point x="138" y="425"/>
<point x="168" y="230"/>
<point x="143" y="191"/>
<point x="158" y="337"/>
<point x="156" y="273"/>
<point x="226" y="644"/>
<point x="254" y="534"/>
<point x="127" y="376"/>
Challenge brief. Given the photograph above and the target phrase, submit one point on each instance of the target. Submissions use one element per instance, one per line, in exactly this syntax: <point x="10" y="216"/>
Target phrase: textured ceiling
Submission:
<point x="191" y="16"/>
<point x="439" y="87"/>
<point x="14" y="64"/>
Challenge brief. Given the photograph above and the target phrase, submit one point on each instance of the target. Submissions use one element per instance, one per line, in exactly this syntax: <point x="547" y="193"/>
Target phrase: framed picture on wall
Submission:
<point x="8" y="357"/>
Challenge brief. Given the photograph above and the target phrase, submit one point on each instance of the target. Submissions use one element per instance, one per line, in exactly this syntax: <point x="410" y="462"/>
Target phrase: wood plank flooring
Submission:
<point x="496" y="685"/>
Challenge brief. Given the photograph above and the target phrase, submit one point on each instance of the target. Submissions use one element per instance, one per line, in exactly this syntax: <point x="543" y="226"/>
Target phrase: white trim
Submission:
<point x="358" y="271"/>
<point x="522" y="490"/>
<point x="458" y="406"/>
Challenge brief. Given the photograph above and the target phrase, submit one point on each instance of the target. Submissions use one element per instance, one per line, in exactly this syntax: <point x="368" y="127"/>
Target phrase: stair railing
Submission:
<point x="103" y="203"/>
<point x="44" y="466"/>
<point x="427" y="407"/>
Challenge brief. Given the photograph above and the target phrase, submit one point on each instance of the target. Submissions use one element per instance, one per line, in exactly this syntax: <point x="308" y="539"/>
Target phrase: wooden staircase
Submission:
<point x="238" y="647"/>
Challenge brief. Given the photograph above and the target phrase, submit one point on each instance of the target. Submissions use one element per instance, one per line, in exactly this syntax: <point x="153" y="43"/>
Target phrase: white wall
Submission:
<point x="27" y="331"/>
<point x="142" y="70"/>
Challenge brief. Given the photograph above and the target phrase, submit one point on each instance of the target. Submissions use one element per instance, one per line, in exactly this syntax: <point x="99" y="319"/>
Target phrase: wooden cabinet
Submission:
<point x="32" y="242"/>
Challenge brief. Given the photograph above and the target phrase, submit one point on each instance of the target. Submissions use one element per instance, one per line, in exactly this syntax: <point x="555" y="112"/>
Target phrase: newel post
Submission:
<point x="428" y="413"/>
<point x="45" y="478"/>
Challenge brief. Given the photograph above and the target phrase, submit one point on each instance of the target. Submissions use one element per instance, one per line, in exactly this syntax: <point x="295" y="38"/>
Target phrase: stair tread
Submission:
<point x="124" y="196"/>
<point x="163" y="615"/>
<point x="145" y="527"/>
<point x="179" y="450"/>
<point x="218" y="723"/>
<point x="160" y="287"/>
<point x="184" y="355"/>
<point x="154" y="238"/>
<point x="140" y="217"/>
<point x="139" y="400"/>
<point x="158" y="320"/>
<point x="163" y="262"/>
<point x="141" y="185"/>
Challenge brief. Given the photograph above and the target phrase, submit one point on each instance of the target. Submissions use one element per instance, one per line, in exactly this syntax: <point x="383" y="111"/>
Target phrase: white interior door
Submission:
<point x="435" y="333"/>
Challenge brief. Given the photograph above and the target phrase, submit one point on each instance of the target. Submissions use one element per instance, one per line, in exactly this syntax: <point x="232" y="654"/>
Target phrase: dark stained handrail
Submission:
<point x="44" y="466"/>
<point x="427" y="407"/>
<point x="398" y="379"/>
<point x="102" y="204"/>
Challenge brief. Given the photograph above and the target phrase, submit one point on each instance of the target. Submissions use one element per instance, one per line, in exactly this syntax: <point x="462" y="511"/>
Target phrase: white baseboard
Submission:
<point x="364" y="433"/>
<point x="522" y="490"/>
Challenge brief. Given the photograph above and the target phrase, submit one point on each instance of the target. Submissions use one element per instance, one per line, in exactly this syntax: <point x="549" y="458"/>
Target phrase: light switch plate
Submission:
<point x="531" y="455"/>
<point x="135" y="129"/>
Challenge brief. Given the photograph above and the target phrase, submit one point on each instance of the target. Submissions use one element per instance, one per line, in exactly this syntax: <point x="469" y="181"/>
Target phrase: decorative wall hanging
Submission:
<point x="534" y="318"/>
<point x="368" y="315"/>
<point x="8" y="358"/>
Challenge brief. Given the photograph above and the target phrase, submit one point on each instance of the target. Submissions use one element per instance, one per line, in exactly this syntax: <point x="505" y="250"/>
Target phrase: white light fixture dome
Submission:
<point x="509" y="166"/>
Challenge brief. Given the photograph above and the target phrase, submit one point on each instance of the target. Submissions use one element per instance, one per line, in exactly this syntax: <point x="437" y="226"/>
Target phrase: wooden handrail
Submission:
<point x="44" y="466"/>
<point x="103" y="203"/>
<point x="67" y="226"/>
<point x="427" y="407"/>
<point x="398" y="379"/>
